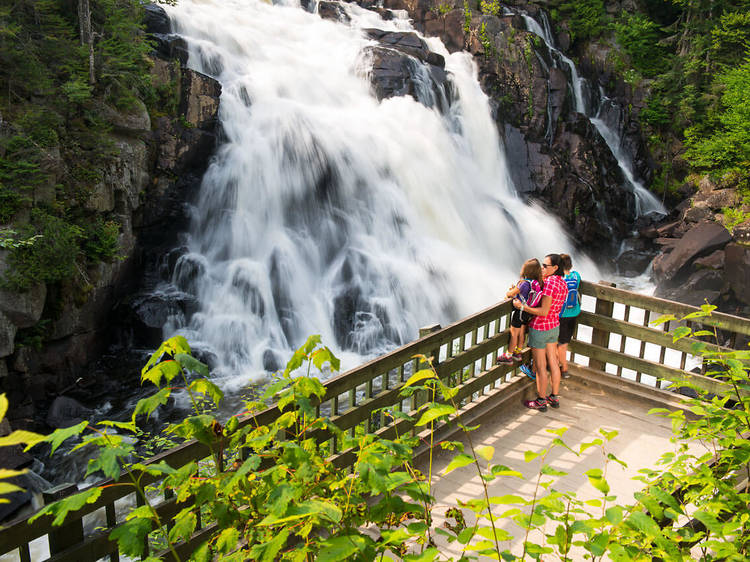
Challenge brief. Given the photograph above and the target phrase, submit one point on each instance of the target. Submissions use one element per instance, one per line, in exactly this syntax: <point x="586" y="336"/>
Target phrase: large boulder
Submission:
<point x="397" y="65"/>
<point x="737" y="270"/>
<point x="701" y="240"/>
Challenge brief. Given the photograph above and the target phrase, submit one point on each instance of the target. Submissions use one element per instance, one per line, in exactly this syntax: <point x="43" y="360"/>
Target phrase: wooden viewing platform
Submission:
<point x="620" y="363"/>
<point x="589" y="402"/>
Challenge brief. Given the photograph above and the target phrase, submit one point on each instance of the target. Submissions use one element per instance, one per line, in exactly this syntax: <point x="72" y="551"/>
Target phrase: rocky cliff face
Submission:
<point x="159" y="160"/>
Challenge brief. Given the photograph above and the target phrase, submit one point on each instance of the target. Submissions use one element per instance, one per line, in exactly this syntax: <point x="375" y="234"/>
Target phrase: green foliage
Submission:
<point x="490" y="7"/>
<point x="467" y="17"/>
<point x="733" y="217"/>
<point x="51" y="259"/>
<point x="587" y="19"/>
<point x="101" y="240"/>
<point x="727" y="147"/>
<point x="639" y="37"/>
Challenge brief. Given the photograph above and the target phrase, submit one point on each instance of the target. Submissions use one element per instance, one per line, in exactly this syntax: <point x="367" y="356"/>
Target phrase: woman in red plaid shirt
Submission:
<point x="544" y="329"/>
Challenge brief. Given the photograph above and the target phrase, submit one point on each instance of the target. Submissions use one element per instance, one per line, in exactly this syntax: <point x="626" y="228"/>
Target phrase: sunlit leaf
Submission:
<point x="191" y="364"/>
<point x="207" y="388"/>
<point x="21" y="437"/>
<point x="459" y="461"/>
<point x="148" y="405"/>
<point x="435" y="412"/>
<point x="57" y="437"/>
<point x="419" y="376"/>
<point x="168" y="369"/>
<point x="131" y="535"/>
<point x="61" y="508"/>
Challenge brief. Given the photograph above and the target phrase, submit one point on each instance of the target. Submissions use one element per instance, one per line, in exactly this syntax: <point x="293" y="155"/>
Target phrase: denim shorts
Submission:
<point x="538" y="339"/>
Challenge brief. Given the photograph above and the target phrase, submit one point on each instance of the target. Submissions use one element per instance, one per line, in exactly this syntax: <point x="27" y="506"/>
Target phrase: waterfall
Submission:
<point x="645" y="201"/>
<point x="327" y="211"/>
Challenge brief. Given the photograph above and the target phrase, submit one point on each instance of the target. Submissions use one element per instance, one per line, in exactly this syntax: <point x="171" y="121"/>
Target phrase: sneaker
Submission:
<point x="565" y="374"/>
<point x="526" y="370"/>
<point x="516" y="355"/>
<point x="505" y="358"/>
<point x="538" y="404"/>
<point x="553" y="400"/>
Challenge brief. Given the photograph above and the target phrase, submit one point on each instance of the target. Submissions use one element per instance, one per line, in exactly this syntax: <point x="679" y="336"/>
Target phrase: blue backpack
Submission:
<point x="573" y="279"/>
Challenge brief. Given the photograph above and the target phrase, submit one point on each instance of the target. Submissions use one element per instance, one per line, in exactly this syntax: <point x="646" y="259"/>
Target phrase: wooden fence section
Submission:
<point x="463" y="352"/>
<point x="613" y="336"/>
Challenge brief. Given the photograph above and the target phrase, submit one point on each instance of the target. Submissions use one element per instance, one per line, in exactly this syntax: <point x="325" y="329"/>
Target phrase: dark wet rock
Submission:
<point x="271" y="362"/>
<point x="699" y="241"/>
<point x="66" y="412"/>
<point x="170" y="46"/>
<point x="333" y="11"/>
<point x="156" y="19"/>
<point x="714" y="260"/>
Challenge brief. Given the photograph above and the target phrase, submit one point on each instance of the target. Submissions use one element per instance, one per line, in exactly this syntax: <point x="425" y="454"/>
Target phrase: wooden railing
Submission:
<point x="613" y="336"/>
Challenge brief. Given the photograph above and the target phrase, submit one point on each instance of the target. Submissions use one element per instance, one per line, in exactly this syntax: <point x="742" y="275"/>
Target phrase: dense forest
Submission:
<point x="65" y="65"/>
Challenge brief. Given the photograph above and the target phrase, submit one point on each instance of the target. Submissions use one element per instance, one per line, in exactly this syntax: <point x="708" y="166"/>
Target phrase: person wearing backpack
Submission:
<point x="569" y="313"/>
<point x="544" y="330"/>
<point x="528" y="291"/>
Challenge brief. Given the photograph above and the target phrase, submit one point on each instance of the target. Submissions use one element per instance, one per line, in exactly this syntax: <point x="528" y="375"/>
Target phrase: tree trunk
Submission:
<point x="87" y="37"/>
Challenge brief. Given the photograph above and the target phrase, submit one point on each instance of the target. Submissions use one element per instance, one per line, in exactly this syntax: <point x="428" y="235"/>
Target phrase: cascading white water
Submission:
<point x="645" y="201"/>
<point x="326" y="207"/>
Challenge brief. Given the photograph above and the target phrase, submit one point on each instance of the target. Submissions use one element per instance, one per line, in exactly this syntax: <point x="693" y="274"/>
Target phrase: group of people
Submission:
<point x="547" y="300"/>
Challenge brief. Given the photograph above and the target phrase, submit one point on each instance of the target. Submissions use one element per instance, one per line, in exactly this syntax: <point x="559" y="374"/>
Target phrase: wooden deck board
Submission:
<point x="641" y="440"/>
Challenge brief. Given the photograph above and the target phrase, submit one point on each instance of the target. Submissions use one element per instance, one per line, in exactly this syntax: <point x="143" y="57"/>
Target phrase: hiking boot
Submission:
<point x="538" y="404"/>
<point x="553" y="400"/>
<point x="526" y="370"/>
<point x="505" y="358"/>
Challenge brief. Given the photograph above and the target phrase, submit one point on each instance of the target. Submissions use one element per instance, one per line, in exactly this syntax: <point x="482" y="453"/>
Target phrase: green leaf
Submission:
<point x="419" y="376"/>
<point x="168" y="369"/>
<point x="459" y="461"/>
<point x="643" y="523"/>
<point x="227" y="540"/>
<point x="486" y="452"/>
<point x="131" y="536"/>
<point x="549" y="471"/>
<point x="681" y="332"/>
<point x="3" y="405"/>
<point x="710" y="521"/>
<point x="663" y="319"/>
<point x="148" y="405"/>
<point x="61" y="508"/>
<point x="207" y="388"/>
<point x="507" y="499"/>
<point x="529" y="456"/>
<point x="435" y="412"/>
<point x="614" y="514"/>
<point x="170" y="347"/>
<point x="191" y="364"/>
<point x="339" y="548"/>
<point x="427" y="556"/>
<point x="21" y="437"/>
<point x="184" y="525"/>
<point x="108" y="461"/>
<point x="597" y="480"/>
<point x="8" y="488"/>
<point x="57" y="437"/>
<point x="323" y="355"/>
<point x="158" y="469"/>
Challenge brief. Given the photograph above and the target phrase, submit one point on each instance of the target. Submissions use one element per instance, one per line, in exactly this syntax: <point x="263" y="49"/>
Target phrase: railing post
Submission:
<point x="69" y="534"/>
<point x="419" y="398"/>
<point x="601" y="337"/>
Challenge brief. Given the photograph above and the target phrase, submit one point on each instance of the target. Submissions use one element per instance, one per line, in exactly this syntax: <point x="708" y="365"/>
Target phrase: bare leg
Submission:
<point x="515" y="338"/>
<point x="562" y="355"/>
<point x="540" y="366"/>
<point x="554" y="368"/>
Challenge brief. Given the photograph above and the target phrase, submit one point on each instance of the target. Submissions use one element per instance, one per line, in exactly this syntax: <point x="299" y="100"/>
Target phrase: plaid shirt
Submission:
<point x="555" y="287"/>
